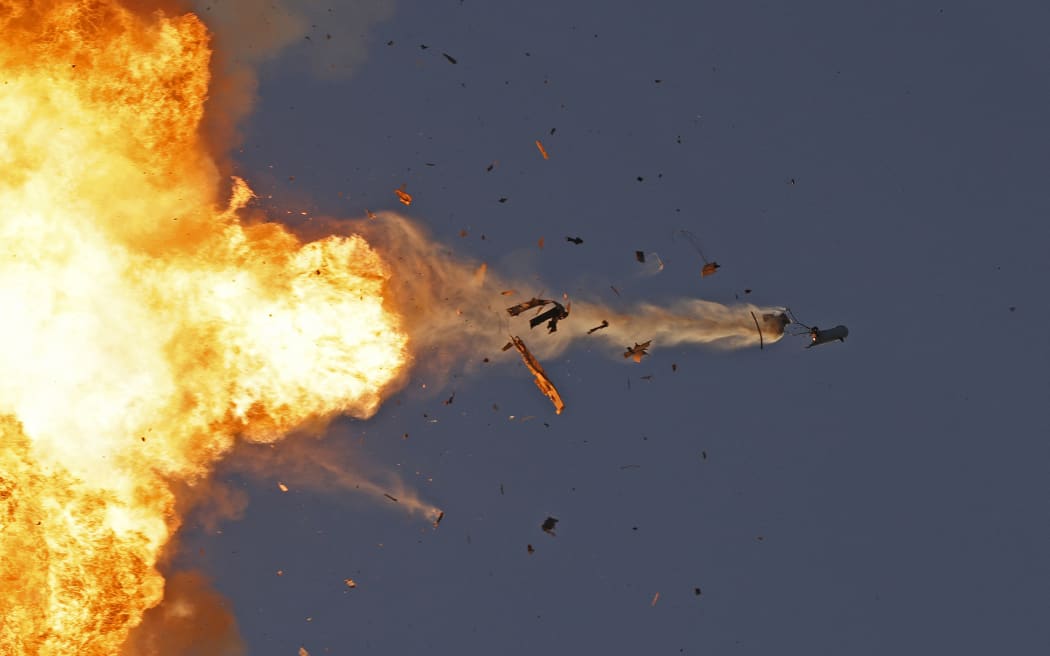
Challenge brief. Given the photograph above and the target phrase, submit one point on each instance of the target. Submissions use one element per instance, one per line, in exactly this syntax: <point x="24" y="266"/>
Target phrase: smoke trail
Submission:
<point x="453" y="308"/>
<point x="321" y="466"/>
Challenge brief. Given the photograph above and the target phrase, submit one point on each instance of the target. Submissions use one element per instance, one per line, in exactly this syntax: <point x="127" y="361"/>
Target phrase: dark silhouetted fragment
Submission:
<point x="515" y="310"/>
<point x="549" y="524"/>
<point x="551" y="316"/>
<point x="603" y="324"/>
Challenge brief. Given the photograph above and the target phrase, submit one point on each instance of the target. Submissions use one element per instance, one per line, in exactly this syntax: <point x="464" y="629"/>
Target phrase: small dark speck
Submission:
<point x="634" y="528"/>
<point x="390" y="42"/>
<point x="759" y="538"/>
<point x="1013" y="308"/>
<point x="503" y="200"/>
<point x="423" y="46"/>
<point x="696" y="591"/>
<point x="640" y="179"/>
<point x="657" y="81"/>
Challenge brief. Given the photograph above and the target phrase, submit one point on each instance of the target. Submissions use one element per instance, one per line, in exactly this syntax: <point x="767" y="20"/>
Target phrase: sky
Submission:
<point x="879" y="165"/>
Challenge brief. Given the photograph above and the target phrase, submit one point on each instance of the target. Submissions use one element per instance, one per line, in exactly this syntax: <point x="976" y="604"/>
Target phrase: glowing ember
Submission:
<point x="144" y="327"/>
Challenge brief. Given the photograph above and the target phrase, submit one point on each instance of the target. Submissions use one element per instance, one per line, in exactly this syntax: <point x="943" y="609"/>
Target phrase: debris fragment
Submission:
<point x="674" y="366"/>
<point x="709" y="267"/>
<point x="638" y="351"/>
<point x="540" y="243"/>
<point x="603" y="324"/>
<point x="640" y="256"/>
<point x="403" y="196"/>
<point x="529" y="548"/>
<point x="303" y="652"/>
<point x="282" y="487"/>
<point x="543" y="151"/>
<point x="449" y="57"/>
<point x="440" y="516"/>
<point x="370" y="214"/>
<point x="350" y="583"/>
<point x="615" y="291"/>
<point x="450" y="399"/>
<point x="575" y="240"/>
<point x="761" y="343"/>
<point x="549" y="524"/>
<point x="656" y="598"/>
<point x="503" y="199"/>
<point x="515" y="310"/>
<point x="507" y="292"/>
<point x="696" y="591"/>
<point x="542" y="382"/>
<point x="392" y="498"/>
<point x="491" y="166"/>
<point x="551" y="316"/>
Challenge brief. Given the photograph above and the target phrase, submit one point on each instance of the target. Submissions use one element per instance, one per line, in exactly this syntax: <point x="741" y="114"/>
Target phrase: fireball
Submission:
<point x="146" y="325"/>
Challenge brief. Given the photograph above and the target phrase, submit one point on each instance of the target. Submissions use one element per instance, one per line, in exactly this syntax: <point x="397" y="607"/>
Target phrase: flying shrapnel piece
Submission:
<point x="818" y="336"/>
<point x="551" y="316"/>
<point x="539" y="375"/>
<point x="638" y="351"/>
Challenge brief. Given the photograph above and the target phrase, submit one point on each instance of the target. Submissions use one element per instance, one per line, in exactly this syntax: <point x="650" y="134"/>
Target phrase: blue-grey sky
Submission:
<point x="882" y="165"/>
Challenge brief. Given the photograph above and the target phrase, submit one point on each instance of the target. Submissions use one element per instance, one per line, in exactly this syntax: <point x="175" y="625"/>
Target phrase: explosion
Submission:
<point x="145" y="328"/>
<point x="148" y="325"/>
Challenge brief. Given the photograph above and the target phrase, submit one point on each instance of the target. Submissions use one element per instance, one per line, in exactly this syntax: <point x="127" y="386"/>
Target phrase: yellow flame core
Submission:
<point x="143" y="327"/>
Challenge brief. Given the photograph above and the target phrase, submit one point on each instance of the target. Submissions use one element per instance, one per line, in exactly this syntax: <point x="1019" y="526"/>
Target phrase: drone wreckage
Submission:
<point x="775" y="322"/>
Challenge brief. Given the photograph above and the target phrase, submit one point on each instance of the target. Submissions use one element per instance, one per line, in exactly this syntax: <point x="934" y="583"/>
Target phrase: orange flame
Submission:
<point x="145" y="327"/>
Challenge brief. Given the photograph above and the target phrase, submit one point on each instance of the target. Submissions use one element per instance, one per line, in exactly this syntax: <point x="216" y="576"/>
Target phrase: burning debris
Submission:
<point x="542" y="382"/>
<point x="709" y="267"/>
<point x="403" y="196"/>
<point x="638" y="351"/>
<point x="549" y="524"/>
<point x="543" y="151"/>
